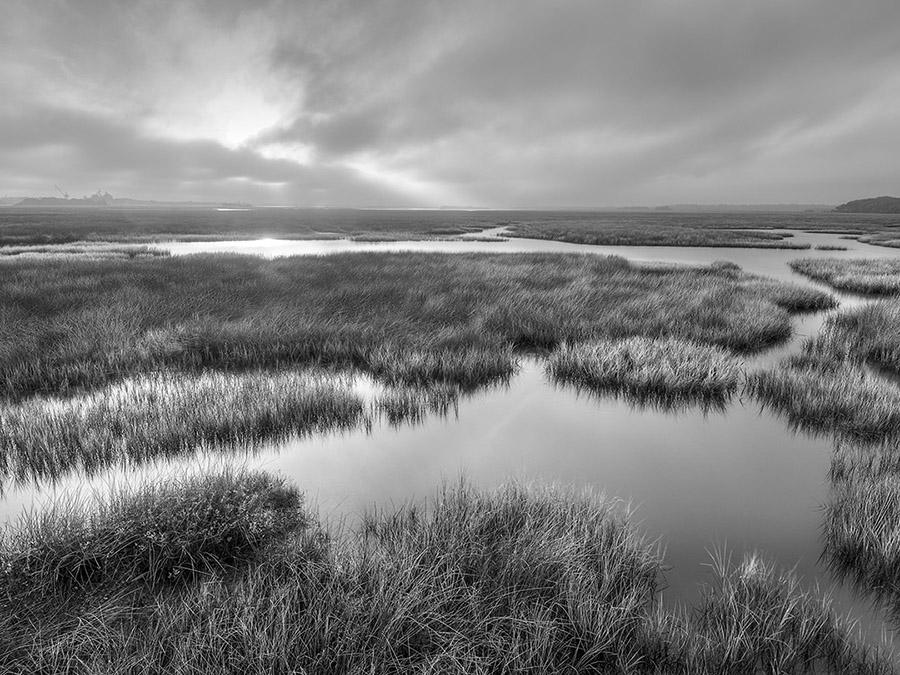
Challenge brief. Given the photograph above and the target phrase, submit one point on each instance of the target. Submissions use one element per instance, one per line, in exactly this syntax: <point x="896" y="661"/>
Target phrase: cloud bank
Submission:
<point x="513" y="103"/>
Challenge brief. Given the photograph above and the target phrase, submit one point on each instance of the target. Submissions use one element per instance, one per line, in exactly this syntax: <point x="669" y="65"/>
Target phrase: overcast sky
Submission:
<point x="417" y="103"/>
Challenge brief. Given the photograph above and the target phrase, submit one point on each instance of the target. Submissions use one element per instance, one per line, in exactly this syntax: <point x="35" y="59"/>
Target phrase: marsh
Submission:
<point x="360" y="376"/>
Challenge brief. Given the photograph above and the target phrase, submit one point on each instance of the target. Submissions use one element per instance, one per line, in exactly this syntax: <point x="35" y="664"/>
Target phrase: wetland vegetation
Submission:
<point x="647" y="368"/>
<point x="875" y="276"/>
<point x="227" y="573"/>
<point x="409" y="319"/>
<point x="831" y="385"/>
<point x="113" y="355"/>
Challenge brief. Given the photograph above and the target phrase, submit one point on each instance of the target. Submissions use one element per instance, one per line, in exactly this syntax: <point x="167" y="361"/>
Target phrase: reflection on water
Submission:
<point x="701" y="476"/>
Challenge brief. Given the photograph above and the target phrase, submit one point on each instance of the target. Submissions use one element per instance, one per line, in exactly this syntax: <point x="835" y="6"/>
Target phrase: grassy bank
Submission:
<point x="404" y="318"/>
<point x="163" y="415"/>
<point x="648" y="369"/>
<point x="830" y="385"/>
<point x="876" y="276"/>
<point x="862" y="518"/>
<point x="516" y="581"/>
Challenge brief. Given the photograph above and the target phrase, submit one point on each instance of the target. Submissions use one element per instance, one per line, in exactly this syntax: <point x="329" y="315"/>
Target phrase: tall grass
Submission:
<point x="515" y="581"/>
<point x="754" y="618"/>
<point x="880" y="276"/>
<point x="405" y="318"/>
<point x="409" y="405"/>
<point x="648" y="368"/>
<point x="160" y="415"/>
<point x="829" y="386"/>
<point x="837" y="396"/>
<point x="675" y="230"/>
<point x="862" y="517"/>
<point x="154" y="534"/>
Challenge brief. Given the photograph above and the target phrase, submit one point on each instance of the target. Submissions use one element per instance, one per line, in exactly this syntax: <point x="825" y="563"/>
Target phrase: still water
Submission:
<point x="736" y="478"/>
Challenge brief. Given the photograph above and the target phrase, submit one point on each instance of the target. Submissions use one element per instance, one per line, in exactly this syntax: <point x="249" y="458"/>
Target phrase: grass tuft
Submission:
<point x="515" y="581"/>
<point x="877" y="276"/>
<point x="152" y="535"/>
<point x="646" y="368"/>
<point x="831" y="386"/>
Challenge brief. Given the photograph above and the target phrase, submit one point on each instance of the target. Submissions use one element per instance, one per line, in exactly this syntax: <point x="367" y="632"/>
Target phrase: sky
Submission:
<point x="428" y="103"/>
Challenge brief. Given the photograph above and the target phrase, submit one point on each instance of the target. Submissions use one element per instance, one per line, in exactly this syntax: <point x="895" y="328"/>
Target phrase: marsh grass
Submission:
<point x="876" y="276"/>
<point x="829" y="386"/>
<point x="412" y="405"/>
<point x="666" y="233"/>
<point x="755" y="618"/>
<point x="411" y="319"/>
<point x="520" y="580"/>
<point x="863" y="532"/>
<point x="167" y="414"/>
<point x="648" y="369"/>
<point x="862" y="518"/>
<point x="833" y="396"/>
<point x="155" y="534"/>
<point x="88" y="249"/>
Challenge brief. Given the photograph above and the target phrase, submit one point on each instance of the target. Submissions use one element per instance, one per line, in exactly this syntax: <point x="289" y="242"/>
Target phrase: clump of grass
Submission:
<point x="166" y="414"/>
<point x="879" y="276"/>
<point x="829" y="386"/>
<point x="757" y="619"/>
<point x="862" y="518"/>
<point x="411" y="405"/>
<point x="648" y="368"/>
<point x="793" y="297"/>
<point x="517" y="581"/>
<point x="469" y="367"/>
<point x="830" y="247"/>
<point x="154" y="534"/>
<point x="834" y="396"/>
<point x="862" y="529"/>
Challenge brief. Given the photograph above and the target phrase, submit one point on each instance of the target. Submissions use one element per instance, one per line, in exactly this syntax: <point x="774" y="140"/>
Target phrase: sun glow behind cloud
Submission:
<point x="426" y="104"/>
<point x="418" y="191"/>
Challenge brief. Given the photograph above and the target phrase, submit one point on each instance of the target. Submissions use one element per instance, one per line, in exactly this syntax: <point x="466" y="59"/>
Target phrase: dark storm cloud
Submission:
<point x="421" y="103"/>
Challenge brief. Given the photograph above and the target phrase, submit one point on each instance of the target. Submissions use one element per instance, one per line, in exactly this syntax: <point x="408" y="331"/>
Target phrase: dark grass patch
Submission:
<point x="153" y="535"/>
<point x="876" y="276"/>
